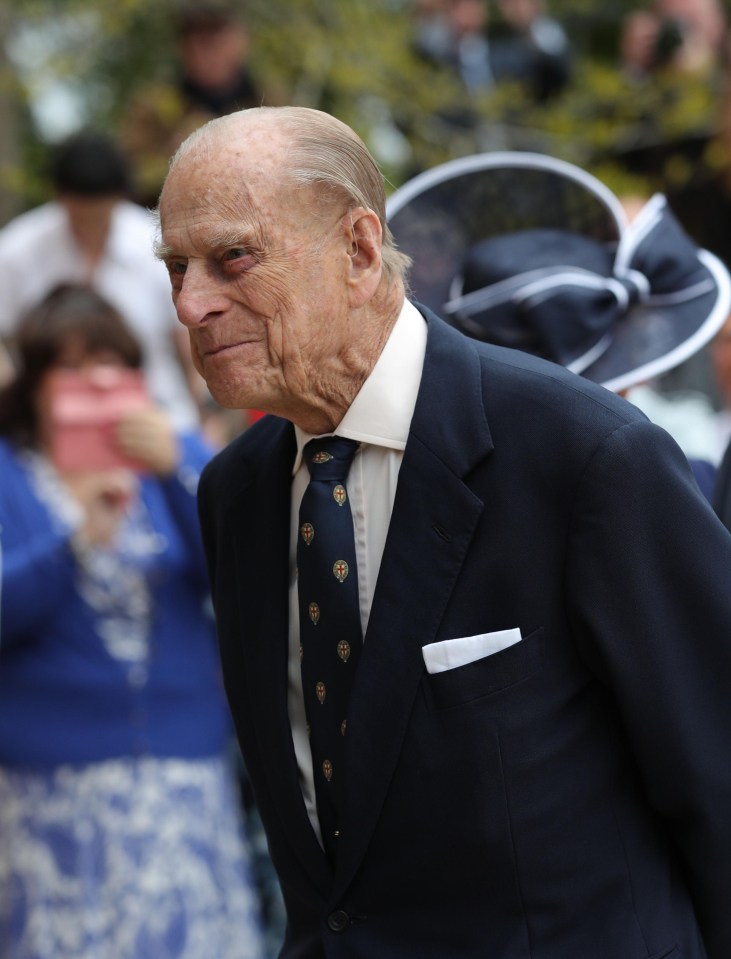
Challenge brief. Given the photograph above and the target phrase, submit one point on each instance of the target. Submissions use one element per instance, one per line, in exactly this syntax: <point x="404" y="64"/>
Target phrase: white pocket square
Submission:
<point x="451" y="653"/>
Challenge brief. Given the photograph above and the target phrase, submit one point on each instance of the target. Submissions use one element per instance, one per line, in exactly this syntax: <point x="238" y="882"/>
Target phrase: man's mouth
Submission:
<point x="221" y="348"/>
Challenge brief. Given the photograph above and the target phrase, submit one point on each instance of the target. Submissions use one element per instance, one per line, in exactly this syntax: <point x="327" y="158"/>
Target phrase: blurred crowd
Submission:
<point x="519" y="48"/>
<point x="117" y="758"/>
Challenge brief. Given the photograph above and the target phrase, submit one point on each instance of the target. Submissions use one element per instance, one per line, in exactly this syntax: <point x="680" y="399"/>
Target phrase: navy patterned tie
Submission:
<point x="330" y="628"/>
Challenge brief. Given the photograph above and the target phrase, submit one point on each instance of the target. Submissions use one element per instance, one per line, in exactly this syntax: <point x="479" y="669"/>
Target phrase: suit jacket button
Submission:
<point x="338" y="921"/>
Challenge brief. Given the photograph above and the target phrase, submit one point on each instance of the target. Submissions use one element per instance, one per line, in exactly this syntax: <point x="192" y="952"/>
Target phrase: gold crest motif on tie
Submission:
<point x="340" y="570"/>
<point x="307" y="531"/>
<point x="320" y="692"/>
<point x="322" y="457"/>
<point x="344" y="650"/>
<point x="327" y="770"/>
<point x="314" y="611"/>
<point x="339" y="494"/>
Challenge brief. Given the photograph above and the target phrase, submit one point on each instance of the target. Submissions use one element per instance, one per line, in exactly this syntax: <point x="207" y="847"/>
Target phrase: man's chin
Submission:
<point x="231" y="396"/>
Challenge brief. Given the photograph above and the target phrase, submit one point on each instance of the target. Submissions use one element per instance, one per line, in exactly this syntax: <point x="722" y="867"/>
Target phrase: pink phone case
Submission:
<point x="85" y="410"/>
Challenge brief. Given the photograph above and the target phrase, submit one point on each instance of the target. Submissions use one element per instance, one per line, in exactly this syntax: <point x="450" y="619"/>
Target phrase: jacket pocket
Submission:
<point x="488" y="675"/>
<point x="452" y="653"/>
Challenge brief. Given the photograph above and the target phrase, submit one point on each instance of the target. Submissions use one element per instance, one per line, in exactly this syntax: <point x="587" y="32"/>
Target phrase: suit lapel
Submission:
<point x="261" y="511"/>
<point x="434" y="518"/>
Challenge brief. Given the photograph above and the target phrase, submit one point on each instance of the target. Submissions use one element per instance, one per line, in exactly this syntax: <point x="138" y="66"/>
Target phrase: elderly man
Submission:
<point x="519" y="744"/>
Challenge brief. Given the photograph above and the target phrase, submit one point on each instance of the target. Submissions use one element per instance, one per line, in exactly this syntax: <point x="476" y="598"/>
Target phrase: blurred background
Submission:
<point x="636" y="93"/>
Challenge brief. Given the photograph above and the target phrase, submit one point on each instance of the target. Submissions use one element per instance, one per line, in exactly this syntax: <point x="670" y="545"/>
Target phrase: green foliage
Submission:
<point x="354" y="59"/>
<point x="632" y="134"/>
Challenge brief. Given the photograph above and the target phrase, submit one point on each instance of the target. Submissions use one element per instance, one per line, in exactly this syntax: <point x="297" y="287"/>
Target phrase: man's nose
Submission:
<point x="199" y="297"/>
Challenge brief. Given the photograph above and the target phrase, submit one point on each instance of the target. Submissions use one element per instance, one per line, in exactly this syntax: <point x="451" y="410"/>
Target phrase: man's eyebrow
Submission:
<point x="235" y="236"/>
<point x="223" y="239"/>
<point x="161" y="250"/>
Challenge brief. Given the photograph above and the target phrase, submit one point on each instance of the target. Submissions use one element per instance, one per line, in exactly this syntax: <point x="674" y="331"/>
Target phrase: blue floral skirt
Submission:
<point x="125" y="859"/>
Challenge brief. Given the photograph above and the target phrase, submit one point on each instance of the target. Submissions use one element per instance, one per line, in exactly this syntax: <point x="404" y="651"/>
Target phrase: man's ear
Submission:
<point x="365" y="235"/>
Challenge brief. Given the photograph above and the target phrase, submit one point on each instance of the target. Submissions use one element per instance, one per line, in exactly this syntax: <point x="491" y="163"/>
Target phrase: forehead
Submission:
<point x="240" y="184"/>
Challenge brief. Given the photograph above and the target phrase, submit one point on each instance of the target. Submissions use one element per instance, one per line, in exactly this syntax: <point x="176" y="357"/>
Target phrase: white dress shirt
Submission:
<point x="379" y="419"/>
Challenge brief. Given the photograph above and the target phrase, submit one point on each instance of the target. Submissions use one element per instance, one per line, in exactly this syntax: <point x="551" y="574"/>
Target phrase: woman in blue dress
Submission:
<point x="120" y="825"/>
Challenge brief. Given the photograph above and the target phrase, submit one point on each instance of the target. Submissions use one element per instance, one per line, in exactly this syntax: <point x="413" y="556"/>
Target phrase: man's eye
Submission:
<point x="176" y="272"/>
<point x="239" y="257"/>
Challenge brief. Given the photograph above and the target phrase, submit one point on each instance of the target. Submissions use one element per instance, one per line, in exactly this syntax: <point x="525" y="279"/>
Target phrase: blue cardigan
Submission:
<point x="64" y="698"/>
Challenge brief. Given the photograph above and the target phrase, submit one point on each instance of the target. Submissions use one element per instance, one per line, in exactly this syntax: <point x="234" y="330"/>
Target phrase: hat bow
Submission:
<point x="568" y="304"/>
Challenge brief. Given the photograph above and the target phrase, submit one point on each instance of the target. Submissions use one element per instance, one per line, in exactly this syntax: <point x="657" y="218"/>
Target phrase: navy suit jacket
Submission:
<point x="569" y="796"/>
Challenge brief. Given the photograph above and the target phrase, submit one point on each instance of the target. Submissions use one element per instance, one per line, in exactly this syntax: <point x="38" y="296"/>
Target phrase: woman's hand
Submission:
<point x="147" y="435"/>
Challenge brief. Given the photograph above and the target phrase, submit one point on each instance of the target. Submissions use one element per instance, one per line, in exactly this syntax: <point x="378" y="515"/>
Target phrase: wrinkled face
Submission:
<point x="258" y="272"/>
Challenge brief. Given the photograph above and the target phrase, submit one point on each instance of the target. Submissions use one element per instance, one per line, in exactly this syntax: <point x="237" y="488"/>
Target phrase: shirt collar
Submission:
<point x="382" y="410"/>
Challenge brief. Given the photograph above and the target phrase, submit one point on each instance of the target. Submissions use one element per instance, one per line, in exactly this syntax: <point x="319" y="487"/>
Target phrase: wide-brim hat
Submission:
<point x="529" y="251"/>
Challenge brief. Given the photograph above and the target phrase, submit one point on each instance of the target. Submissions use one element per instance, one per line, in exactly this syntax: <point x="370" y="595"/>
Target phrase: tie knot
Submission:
<point x="329" y="458"/>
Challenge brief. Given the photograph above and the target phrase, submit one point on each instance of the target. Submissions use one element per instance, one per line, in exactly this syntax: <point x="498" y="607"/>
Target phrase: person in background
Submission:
<point x="522" y="44"/>
<point x="673" y="36"/>
<point x="120" y="827"/>
<point x="453" y="35"/>
<point x="530" y="47"/>
<point x="534" y="754"/>
<point x="90" y="232"/>
<point x="638" y="45"/>
<point x="692" y="36"/>
<point x="213" y="78"/>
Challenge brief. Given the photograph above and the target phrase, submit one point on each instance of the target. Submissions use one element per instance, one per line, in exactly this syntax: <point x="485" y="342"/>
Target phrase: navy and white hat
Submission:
<point x="528" y="251"/>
